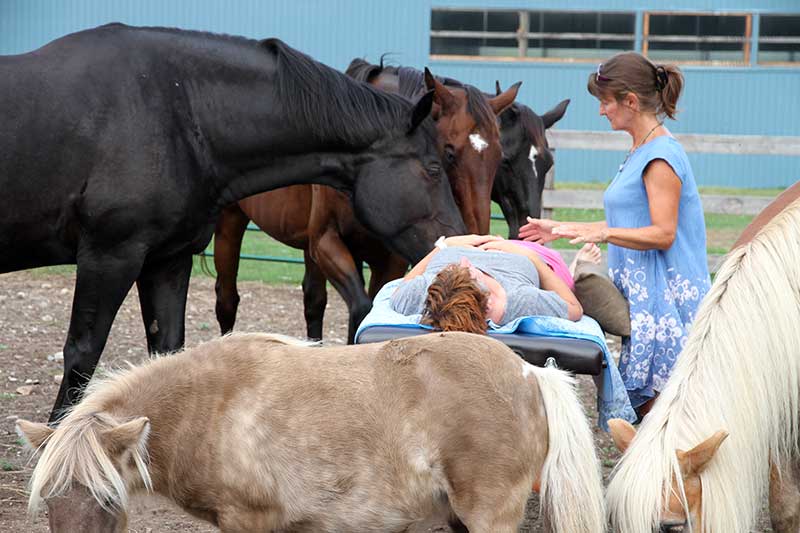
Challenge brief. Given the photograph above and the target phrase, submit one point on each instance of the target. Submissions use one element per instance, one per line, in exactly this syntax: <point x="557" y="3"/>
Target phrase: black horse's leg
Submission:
<point x="228" y="236"/>
<point x="336" y="261"/>
<point x="315" y="297"/>
<point x="102" y="281"/>
<point x="162" y="295"/>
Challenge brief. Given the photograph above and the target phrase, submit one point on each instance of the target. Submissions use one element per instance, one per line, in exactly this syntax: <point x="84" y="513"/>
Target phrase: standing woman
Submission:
<point x="654" y="222"/>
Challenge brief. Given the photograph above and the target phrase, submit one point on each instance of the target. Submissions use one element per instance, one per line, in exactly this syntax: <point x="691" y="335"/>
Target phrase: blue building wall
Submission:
<point x="720" y="100"/>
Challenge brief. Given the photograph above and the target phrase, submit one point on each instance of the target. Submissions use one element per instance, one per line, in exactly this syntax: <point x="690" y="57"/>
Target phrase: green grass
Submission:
<point x="6" y="466"/>
<point x="7" y="396"/>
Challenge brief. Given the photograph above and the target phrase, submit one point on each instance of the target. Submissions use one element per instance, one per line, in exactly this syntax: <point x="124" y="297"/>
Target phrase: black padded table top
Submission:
<point x="579" y="356"/>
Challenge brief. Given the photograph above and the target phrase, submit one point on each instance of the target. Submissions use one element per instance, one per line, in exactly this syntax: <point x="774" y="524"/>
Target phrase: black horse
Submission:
<point x="119" y="146"/>
<point x="527" y="157"/>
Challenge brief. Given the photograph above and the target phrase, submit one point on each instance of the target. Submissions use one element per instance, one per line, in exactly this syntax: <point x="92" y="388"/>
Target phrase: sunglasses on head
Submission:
<point x="599" y="76"/>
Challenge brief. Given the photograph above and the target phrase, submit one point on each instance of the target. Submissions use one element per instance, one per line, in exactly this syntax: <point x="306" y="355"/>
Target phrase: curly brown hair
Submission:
<point x="455" y="302"/>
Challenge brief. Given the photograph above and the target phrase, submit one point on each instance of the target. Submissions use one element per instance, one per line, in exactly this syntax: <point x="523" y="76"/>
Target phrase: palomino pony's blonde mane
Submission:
<point x="75" y="452"/>
<point x="739" y="371"/>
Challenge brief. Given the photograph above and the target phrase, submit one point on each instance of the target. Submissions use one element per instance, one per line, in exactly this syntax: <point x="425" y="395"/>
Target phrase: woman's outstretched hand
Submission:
<point x="581" y="233"/>
<point x="539" y="230"/>
<point x="470" y="240"/>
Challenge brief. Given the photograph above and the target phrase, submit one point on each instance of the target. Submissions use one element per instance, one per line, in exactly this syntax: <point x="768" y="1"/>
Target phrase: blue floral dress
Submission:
<point x="663" y="287"/>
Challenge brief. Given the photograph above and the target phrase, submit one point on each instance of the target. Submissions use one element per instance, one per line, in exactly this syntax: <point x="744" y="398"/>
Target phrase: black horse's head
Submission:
<point x="402" y="191"/>
<point x="527" y="158"/>
<point x="385" y="143"/>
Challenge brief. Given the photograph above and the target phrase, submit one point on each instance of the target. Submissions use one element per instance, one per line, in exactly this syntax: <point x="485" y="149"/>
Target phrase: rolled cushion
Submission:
<point x="601" y="299"/>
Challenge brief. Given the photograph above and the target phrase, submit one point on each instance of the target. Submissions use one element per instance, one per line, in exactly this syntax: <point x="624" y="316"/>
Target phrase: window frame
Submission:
<point x="523" y="35"/>
<point x="776" y="39"/>
<point x="745" y="40"/>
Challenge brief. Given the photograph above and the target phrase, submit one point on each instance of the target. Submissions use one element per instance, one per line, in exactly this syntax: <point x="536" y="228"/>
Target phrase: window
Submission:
<point x="560" y="35"/>
<point x="697" y="37"/>
<point x="779" y="39"/>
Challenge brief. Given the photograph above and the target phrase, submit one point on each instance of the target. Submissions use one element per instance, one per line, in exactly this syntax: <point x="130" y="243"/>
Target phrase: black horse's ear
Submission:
<point x="430" y="81"/>
<point x="421" y="110"/>
<point x="555" y="114"/>
<point x="497" y="90"/>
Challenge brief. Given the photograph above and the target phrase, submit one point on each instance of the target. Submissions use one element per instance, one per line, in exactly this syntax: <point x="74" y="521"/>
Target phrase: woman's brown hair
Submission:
<point x="657" y="86"/>
<point x="455" y="302"/>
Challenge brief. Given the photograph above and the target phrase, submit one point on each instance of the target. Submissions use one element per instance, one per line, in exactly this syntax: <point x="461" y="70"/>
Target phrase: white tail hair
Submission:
<point x="738" y="372"/>
<point x="571" y="483"/>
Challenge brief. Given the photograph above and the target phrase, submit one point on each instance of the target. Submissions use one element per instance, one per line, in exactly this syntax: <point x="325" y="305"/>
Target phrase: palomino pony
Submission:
<point x="120" y="146"/>
<point x="738" y="376"/>
<point x="256" y="433"/>
<point x="323" y="223"/>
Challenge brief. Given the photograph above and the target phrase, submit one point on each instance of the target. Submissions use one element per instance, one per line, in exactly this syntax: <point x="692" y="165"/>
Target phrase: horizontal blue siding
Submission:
<point x="730" y="100"/>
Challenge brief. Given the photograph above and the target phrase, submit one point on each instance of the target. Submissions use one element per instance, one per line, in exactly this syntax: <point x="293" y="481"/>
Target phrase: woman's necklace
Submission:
<point x="638" y="146"/>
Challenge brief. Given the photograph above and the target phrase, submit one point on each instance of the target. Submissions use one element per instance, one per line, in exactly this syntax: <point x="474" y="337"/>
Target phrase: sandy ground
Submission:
<point x="34" y="314"/>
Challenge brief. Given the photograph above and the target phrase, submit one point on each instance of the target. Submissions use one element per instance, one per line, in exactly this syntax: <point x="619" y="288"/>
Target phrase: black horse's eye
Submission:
<point x="434" y="170"/>
<point x="449" y="155"/>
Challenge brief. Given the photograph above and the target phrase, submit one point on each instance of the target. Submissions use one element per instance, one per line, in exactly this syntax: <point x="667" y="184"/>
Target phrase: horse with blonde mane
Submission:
<point x="253" y="432"/>
<point x="726" y="424"/>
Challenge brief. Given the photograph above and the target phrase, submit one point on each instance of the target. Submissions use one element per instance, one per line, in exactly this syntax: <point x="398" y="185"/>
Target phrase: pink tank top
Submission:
<point x="553" y="259"/>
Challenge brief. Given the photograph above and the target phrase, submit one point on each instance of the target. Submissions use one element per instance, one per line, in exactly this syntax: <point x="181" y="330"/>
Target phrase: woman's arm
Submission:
<point x="467" y="241"/>
<point x="540" y="230"/>
<point x="548" y="280"/>
<point x="663" y="197"/>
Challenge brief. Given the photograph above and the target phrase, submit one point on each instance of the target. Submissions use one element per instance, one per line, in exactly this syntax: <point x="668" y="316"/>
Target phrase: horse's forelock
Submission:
<point x="75" y="453"/>
<point x="738" y="369"/>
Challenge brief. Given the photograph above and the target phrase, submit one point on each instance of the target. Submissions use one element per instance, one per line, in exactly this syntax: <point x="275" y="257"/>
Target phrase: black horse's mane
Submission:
<point x="411" y="83"/>
<point x="331" y="104"/>
<point x="318" y="97"/>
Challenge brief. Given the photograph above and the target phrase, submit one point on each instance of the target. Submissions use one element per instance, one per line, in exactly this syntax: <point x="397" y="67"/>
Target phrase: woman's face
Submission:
<point x="496" y="304"/>
<point x="618" y="113"/>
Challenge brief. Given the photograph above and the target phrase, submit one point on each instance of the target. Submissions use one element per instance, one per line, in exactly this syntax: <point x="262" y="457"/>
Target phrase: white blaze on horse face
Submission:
<point x="532" y="156"/>
<point x="478" y="142"/>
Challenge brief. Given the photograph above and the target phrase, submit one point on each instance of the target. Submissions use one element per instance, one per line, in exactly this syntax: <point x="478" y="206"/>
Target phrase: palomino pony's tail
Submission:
<point x="571" y="482"/>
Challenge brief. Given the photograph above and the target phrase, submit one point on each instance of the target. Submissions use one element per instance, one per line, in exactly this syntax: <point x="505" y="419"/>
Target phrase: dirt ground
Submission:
<point x="34" y="315"/>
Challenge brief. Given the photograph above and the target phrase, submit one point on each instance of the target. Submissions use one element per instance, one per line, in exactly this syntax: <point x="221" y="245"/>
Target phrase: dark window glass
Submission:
<point x="457" y="20"/>
<point x="550" y="22"/>
<point x="779" y="39"/>
<point x="683" y="37"/>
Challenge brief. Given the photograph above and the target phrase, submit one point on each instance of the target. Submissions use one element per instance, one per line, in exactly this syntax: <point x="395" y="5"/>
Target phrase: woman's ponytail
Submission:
<point x="669" y="83"/>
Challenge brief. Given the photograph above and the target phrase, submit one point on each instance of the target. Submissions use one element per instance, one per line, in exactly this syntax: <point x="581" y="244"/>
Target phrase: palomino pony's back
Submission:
<point x="368" y="438"/>
<point x="739" y="372"/>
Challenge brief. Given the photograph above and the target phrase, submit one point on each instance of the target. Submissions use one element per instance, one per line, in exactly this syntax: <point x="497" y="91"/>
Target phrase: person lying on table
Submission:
<point x="468" y="280"/>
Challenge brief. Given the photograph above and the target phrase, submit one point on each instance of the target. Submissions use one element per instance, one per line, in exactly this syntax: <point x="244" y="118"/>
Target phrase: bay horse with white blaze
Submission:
<point x="731" y="408"/>
<point x="120" y="146"/>
<point x="254" y="432"/>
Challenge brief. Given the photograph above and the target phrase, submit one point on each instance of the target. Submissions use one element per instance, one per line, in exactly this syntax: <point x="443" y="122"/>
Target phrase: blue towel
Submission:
<point x="612" y="399"/>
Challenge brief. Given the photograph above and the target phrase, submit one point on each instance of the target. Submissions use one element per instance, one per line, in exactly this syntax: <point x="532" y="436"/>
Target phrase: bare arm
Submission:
<point x="663" y="196"/>
<point x="468" y="241"/>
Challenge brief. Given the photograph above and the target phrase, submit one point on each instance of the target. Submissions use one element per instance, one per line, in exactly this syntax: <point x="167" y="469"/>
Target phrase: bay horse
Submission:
<point x="321" y="221"/>
<point x="121" y="145"/>
<point x="254" y="432"/>
<point x="731" y="408"/>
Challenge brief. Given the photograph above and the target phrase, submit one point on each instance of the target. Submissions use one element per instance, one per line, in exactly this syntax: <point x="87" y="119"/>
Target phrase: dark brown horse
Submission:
<point x="321" y="221"/>
<point x="119" y="146"/>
